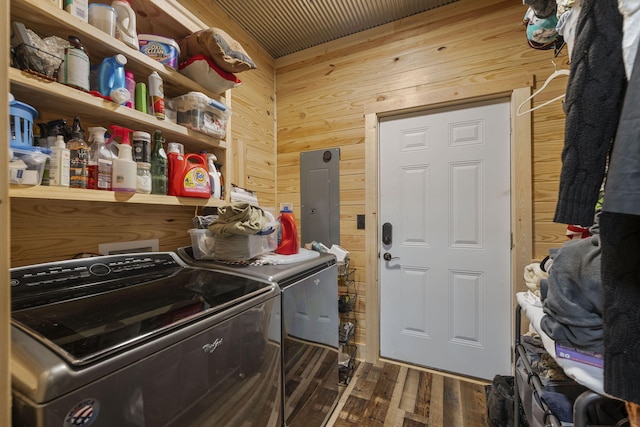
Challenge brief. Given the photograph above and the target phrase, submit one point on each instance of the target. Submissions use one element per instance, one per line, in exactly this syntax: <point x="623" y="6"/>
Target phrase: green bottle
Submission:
<point x="159" y="164"/>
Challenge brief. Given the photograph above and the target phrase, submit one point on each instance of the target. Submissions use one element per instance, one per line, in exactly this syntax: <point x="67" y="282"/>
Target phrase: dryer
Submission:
<point x="310" y="331"/>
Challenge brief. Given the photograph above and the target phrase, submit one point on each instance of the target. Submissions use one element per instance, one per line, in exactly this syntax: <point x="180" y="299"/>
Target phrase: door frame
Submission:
<point x="517" y="89"/>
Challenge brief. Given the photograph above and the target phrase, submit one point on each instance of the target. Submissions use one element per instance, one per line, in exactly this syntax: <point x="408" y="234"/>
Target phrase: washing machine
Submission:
<point x="143" y="340"/>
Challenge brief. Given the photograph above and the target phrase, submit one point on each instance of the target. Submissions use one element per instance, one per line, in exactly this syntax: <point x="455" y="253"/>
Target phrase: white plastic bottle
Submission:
<point x="126" y="23"/>
<point x="124" y="173"/>
<point x="214" y="176"/>
<point x="60" y="163"/>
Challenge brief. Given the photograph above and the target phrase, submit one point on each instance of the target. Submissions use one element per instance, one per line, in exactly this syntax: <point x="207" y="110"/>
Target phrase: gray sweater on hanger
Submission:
<point x="592" y="104"/>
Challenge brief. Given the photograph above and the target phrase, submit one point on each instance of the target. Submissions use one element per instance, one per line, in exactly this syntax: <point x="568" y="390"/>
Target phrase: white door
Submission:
<point x="445" y="298"/>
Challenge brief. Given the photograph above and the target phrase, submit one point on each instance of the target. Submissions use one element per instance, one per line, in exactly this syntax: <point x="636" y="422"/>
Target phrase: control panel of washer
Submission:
<point x="46" y="279"/>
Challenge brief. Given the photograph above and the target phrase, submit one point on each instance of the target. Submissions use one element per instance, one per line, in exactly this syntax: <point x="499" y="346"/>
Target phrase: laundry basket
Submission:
<point x="21" y="117"/>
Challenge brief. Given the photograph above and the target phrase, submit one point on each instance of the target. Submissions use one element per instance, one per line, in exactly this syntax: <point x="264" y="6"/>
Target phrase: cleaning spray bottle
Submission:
<point x="48" y="134"/>
<point x="100" y="160"/>
<point x="55" y="128"/>
<point x="288" y="244"/>
<point x="124" y="171"/>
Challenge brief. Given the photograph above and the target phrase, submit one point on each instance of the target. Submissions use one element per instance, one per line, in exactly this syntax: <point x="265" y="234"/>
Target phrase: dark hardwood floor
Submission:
<point x="390" y="395"/>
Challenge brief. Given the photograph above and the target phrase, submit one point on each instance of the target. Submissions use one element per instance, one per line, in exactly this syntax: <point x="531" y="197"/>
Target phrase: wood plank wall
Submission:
<point x="253" y="116"/>
<point x="324" y="91"/>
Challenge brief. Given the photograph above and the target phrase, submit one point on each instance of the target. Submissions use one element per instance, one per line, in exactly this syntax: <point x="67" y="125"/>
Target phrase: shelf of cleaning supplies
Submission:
<point x="46" y="19"/>
<point x="65" y="193"/>
<point x="51" y="96"/>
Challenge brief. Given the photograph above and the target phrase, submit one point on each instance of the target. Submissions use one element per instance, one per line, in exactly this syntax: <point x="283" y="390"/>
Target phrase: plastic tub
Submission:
<point x="202" y="242"/>
<point x="162" y="49"/>
<point x="26" y="165"/>
<point x="21" y="117"/>
<point x="243" y="248"/>
<point x="197" y="111"/>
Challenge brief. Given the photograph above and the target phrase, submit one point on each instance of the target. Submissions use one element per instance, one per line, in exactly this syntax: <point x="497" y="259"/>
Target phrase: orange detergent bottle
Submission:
<point x="188" y="175"/>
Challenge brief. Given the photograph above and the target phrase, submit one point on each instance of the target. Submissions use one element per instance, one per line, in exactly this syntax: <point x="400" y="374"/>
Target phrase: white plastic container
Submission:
<point x="126" y="23"/>
<point x="162" y="49"/>
<point x="103" y="17"/>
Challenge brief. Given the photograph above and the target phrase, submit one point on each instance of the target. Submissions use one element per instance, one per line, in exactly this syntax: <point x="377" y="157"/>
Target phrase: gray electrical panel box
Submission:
<point x="320" y="196"/>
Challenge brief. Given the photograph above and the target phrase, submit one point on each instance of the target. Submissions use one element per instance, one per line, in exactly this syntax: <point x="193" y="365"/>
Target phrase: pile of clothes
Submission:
<point x="571" y="294"/>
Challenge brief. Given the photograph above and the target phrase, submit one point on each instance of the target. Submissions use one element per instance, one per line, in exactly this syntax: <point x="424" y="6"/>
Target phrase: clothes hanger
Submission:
<point x="556" y="73"/>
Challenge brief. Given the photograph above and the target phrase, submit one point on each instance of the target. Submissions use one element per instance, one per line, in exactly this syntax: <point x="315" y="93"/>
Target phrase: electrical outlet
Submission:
<point x="360" y="222"/>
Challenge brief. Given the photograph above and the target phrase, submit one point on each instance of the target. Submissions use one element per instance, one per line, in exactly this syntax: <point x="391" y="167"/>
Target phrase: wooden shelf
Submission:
<point x="48" y="95"/>
<point x="48" y="20"/>
<point x="78" y="194"/>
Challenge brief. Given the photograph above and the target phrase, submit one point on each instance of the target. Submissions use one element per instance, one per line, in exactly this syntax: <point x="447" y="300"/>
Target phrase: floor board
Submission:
<point x="390" y="395"/>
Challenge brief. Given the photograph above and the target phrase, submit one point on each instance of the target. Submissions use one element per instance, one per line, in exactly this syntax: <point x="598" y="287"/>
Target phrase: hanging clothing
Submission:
<point x="622" y="190"/>
<point x="630" y="10"/>
<point x="620" y="244"/>
<point x="620" y="236"/>
<point x="567" y="27"/>
<point x="592" y="104"/>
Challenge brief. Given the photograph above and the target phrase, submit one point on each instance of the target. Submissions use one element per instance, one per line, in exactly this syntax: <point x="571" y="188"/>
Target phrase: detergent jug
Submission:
<point x="289" y="244"/>
<point x="111" y="79"/>
<point x="188" y="175"/>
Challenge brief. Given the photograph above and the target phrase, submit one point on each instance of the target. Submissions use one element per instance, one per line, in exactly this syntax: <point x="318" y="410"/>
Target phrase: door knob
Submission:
<point x="387" y="256"/>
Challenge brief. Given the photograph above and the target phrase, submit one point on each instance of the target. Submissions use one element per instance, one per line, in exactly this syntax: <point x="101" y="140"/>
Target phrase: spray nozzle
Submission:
<point x="96" y="134"/>
<point x="76" y="129"/>
<point x="120" y="134"/>
<point x="56" y="127"/>
<point x="44" y="130"/>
